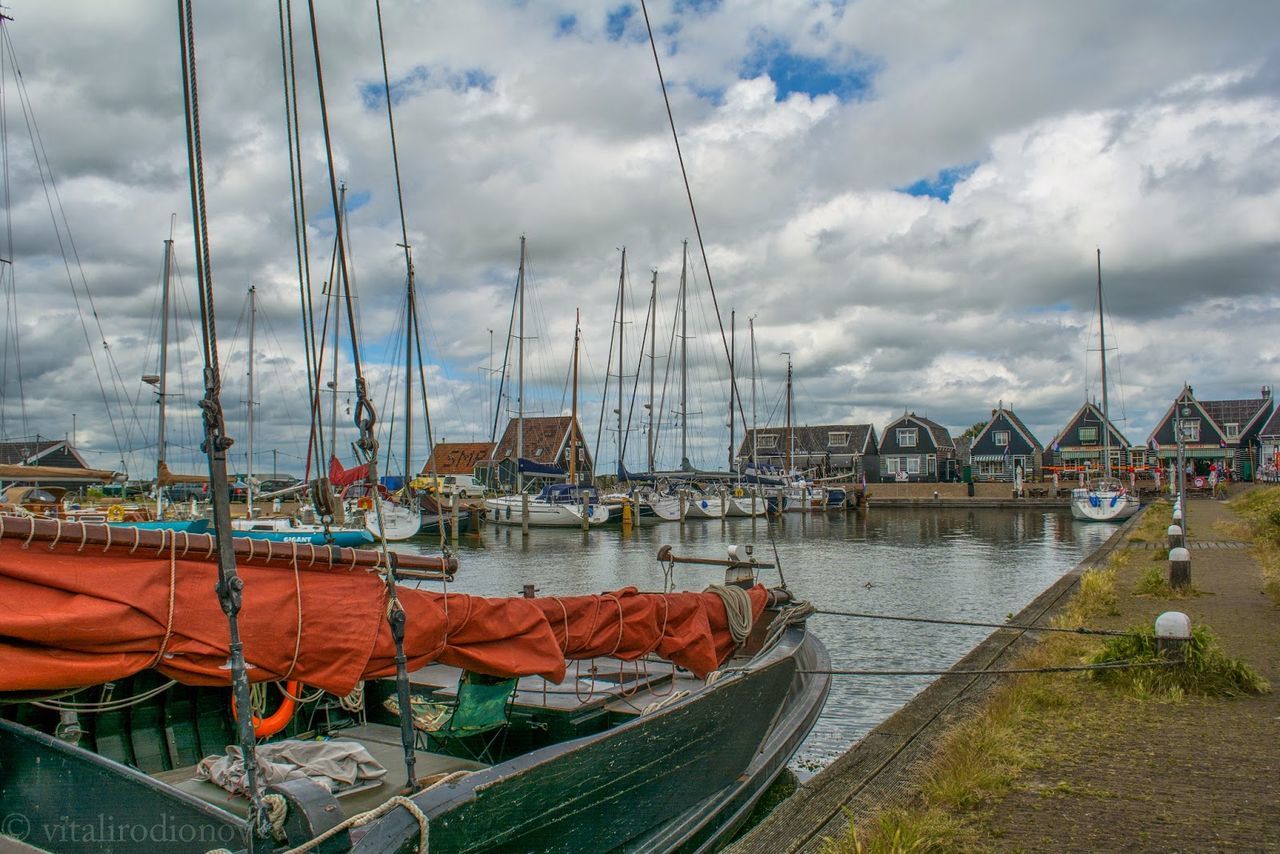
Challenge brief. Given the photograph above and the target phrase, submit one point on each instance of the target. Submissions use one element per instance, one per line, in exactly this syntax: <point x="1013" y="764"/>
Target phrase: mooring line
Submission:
<point x="1078" y="630"/>
<point x="1074" y="668"/>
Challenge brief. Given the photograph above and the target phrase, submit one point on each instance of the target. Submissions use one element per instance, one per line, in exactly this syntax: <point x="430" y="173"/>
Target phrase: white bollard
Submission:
<point x="1173" y="633"/>
<point x="1179" y="568"/>
<point x="1175" y="536"/>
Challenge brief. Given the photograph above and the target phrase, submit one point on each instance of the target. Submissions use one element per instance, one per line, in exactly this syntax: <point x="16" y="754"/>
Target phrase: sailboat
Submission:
<point x="559" y="505"/>
<point x="799" y="495"/>
<point x="1106" y="499"/>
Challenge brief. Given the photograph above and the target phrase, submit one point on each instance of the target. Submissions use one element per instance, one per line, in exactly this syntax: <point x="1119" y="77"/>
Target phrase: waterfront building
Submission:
<point x="913" y="448"/>
<point x="48" y="454"/>
<point x="826" y="450"/>
<point x="1003" y="446"/>
<point x="1080" y="444"/>
<point x="1269" y="456"/>
<point x="547" y="440"/>
<point x="457" y="457"/>
<point x="1225" y="432"/>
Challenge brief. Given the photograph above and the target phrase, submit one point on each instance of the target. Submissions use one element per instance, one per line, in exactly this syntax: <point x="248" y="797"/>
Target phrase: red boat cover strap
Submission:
<point x="72" y="618"/>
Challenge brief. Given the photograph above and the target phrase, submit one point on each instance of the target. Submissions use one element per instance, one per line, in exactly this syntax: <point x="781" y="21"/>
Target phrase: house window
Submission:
<point x="766" y="441"/>
<point x="1088" y="435"/>
<point x="913" y="465"/>
<point x="1233" y="430"/>
<point x="891" y="465"/>
<point x="838" y="440"/>
<point x="1001" y="437"/>
<point x="1191" y="431"/>
<point x="907" y="437"/>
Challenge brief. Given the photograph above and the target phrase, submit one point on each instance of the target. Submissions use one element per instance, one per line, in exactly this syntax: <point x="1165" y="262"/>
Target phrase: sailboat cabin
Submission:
<point x="913" y="448"/>
<point x="1081" y="444"/>
<point x="547" y="442"/>
<point x="1005" y="446"/>
<point x="1222" y="432"/>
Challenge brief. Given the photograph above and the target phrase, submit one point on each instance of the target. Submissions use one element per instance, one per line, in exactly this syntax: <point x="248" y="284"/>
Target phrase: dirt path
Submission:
<point x="1117" y="774"/>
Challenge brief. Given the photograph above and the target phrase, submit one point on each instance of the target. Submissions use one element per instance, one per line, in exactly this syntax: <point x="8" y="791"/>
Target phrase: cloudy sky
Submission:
<point x="906" y="196"/>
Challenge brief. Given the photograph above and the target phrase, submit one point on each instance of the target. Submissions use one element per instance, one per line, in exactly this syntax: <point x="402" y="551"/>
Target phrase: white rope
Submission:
<point x="669" y="700"/>
<point x="737" y="608"/>
<point x="109" y="706"/>
<point x="354" y="701"/>
<point x="365" y="817"/>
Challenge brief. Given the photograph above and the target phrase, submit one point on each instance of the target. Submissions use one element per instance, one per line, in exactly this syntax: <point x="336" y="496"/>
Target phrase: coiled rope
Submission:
<point x="737" y="608"/>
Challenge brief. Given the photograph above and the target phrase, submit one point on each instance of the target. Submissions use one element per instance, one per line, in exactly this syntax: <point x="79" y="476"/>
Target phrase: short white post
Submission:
<point x="1173" y="633"/>
<point x="1179" y="568"/>
<point x="1175" y="536"/>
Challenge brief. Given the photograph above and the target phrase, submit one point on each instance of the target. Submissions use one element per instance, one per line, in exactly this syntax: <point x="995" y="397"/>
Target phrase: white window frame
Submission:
<point x="838" y="440"/>
<point x="913" y="464"/>
<point x="1087" y="435"/>
<point x="767" y="440"/>
<point x="1232" y="430"/>
<point x="907" y="437"/>
<point x="1000" y="437"/>
<point x="1191" y="429"/>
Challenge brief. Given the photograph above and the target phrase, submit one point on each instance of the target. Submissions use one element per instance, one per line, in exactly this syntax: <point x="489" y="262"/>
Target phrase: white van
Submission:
<point x="461" y="484"/>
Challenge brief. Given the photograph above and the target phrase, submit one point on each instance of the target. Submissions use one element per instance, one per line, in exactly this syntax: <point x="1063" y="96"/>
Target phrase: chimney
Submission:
<point x="1266" y="392"/>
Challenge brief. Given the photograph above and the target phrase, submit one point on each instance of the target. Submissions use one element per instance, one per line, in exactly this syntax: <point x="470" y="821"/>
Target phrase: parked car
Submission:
<point x="463" y="485"/>
<point x="183" y="492"/>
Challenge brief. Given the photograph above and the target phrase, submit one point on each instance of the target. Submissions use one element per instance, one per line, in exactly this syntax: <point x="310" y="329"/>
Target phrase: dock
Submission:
<point x="1199" y="774"/>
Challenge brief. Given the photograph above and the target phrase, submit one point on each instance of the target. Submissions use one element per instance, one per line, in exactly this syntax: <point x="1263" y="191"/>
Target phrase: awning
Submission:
<point x="56" y="474"/>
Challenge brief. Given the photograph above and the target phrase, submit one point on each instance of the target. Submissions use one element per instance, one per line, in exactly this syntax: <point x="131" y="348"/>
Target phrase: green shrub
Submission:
<point x="1207" y="671"/>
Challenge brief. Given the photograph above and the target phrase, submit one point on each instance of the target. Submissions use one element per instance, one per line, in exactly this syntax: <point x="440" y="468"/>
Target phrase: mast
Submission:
<point x="253" y="319"/>
<point x="520" y="379"/>
<point x="573" y="421"/>
<point x="162" y="384"/>
<point x="1106" y="416"/>
<point x="334" y="294"/>
<point x="733" y="345"/>
<point x="622" y="307"/>
<point x="684" y="361"/>
<point x="653" y="334"/>
<point x="755" y="439"/>
<point x="790" y="430"/>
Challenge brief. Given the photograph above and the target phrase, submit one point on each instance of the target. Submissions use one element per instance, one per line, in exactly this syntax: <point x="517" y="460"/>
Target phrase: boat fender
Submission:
<point x="277" y="720"/>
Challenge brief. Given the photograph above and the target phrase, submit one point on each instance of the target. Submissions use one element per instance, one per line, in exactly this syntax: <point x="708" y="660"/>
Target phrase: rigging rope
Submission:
<point x="1079" y="630"/>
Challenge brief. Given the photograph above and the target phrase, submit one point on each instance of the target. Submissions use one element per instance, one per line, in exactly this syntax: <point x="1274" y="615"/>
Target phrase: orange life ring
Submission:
<point x="279" y="719"/>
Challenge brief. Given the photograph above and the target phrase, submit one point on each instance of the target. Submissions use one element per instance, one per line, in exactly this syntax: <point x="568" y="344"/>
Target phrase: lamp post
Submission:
<point x="1183" y="412"/>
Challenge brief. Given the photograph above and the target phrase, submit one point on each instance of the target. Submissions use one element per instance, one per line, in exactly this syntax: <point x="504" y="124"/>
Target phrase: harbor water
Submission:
<point x="950" y="563"/>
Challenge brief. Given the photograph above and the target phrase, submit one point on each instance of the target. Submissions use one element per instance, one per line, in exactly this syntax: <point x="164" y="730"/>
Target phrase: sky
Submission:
<point x="905" y="196"/>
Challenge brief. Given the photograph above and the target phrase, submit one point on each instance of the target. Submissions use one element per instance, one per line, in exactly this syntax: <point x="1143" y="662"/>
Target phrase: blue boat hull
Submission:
<point x="344" y="538"/>
<point x="187" y="526"/>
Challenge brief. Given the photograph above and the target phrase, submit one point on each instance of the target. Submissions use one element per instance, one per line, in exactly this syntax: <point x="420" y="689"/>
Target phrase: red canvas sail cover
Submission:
<point x="340" y="477"/>
<point x="72" y="618"/>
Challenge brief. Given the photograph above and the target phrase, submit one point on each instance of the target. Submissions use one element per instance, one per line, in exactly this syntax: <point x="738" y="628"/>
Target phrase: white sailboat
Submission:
<point x="1106" y="499"/>
<point x="561" y="505"/>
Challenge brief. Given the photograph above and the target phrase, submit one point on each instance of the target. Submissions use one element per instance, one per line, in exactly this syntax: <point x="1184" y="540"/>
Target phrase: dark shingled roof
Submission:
<point x="811" y="439"/>
<point x="11" y="453"/>
<point x="941" y="436"/>
<point x="1272" y="427"/>
<point x="1239" y="412"/>
<point x="543" y="436"/>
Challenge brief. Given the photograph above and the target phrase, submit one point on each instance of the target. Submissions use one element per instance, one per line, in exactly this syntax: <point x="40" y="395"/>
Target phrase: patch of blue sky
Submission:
<point x="566" y="25"/>
<point x="698" y="7"/>
<point x="616" y="20"/>
<point x="940" y="186"/>
<point x="356" y="199"/>
<point x="419" y="79"/>
<point x="810" y="75"/>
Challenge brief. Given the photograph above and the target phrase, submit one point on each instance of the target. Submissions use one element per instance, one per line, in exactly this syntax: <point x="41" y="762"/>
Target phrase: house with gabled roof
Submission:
<point x="51" y="461"/>
<point x="1225" y="432"/>
<point x="1269" y="452"/>
<point x="547" y="440"/>
<point x="1081" y="443"/>
<point x="913" y="448"/>
<point x="825" y="450"/>
<point x="1003" y="446"/>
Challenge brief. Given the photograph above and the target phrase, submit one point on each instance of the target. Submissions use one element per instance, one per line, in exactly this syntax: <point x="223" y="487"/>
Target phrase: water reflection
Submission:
<point x="953" y="563"/>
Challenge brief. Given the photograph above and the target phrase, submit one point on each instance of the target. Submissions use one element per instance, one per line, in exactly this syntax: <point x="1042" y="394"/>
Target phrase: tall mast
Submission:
<point x="410" y="325"/>
<point x="684" y="361"/>
<point x="162" y="384"/>
<point x="653" y="334"/>
<point x="1106" y="415"/>
<point x="755" y="441"/>
<point x="733" y="345"/>
<point x="622" y="307"/>
<point x="520" y="375"/>
<point x="335" y="294"/>
<point x="573" y="421"/>
<point x="790" y="430"/>
<point x="253" y="320"/>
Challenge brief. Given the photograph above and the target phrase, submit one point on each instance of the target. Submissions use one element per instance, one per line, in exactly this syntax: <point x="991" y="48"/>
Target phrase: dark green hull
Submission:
<point x="681" y="777"/>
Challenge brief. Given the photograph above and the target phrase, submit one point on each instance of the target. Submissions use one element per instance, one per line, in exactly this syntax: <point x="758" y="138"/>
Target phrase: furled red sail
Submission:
<point x="340" y="477"/>
<point x="73" y="615"/>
